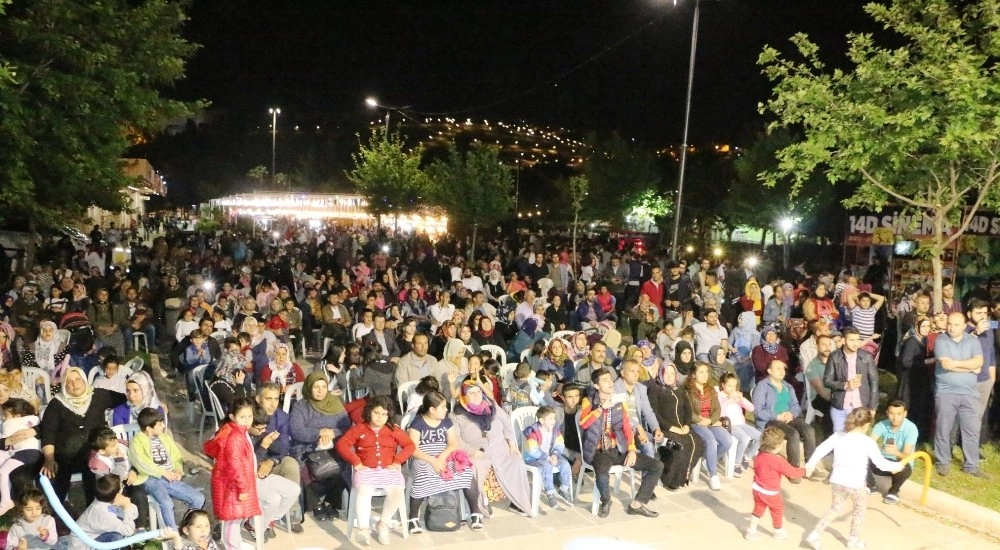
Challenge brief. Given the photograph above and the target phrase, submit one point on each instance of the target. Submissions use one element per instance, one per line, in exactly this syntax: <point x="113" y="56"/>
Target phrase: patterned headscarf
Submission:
<point x="80" y="404"/>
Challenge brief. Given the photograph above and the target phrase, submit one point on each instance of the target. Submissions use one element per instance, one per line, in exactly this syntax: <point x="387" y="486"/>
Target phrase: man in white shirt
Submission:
<point x="442" y="311"/>
<point x="526" y="308"/>
<point x="472" y="281"/>
<point x="366" y="325"/>
<point x="708" y="333"/>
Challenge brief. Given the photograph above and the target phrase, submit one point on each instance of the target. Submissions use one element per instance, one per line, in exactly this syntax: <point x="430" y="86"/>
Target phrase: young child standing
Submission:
<point x="543" y="449"/>
<point x="158" y="461"/>
<point x="34" y="528"/>
<point x="18" y="415"/>
<point x="234" y="477"/>
<point x="109" y="455"/>
<point x="768" y="467"/>
<point x="734" y="406"/>
<point x="852" y="450"/>
<point x="110" y="517"/>
<point x="195" y="532"/>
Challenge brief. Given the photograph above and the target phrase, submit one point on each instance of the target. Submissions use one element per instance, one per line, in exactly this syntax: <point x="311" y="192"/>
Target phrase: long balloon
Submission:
<point x="58" y="508"/>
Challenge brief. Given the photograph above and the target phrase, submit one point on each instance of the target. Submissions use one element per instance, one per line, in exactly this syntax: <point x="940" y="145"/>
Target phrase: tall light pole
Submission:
<point x="786" y="227"/>
<point x="274" y="140"/>
<point x="687" y="122"/>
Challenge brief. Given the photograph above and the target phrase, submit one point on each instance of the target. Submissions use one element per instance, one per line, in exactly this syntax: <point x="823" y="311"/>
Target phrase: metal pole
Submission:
<point x="387" y="113"/>
<point x="687" y="122"/>
<point x="274" y="141"/>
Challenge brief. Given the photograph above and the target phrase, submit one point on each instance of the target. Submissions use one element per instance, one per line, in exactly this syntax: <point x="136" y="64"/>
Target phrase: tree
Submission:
<point x="762" y="208"/>
<point x="917" y="124"/>
<point x="617" y="172"/>
<point x="258" y="174"/>
<point x="648" y="208"/>
<point x="388" y="176"/>
<point x="578" y="191"/>
<point x="88" y="82"/>
<point x="474" y="187"/>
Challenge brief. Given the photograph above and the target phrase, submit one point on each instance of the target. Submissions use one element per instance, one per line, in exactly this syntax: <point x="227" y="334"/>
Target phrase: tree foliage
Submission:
<point x="88" y="81"/>
<point x="474" y="187"/>
<point x="388" y="175"/>
<point x="917" y="124"/>
<point x="258" y="174"/>
<point x="618" y="171"/>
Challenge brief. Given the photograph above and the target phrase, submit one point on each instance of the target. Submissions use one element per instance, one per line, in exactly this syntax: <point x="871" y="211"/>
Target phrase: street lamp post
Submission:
<point x="687" y="121"/>
<point x="373" y="103"/>
<point x="274" y="140"/>
<point x="786" y="227"/>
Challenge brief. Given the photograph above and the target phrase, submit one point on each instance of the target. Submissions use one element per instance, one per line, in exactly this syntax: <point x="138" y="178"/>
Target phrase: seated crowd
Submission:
<point x="439" y="371"/>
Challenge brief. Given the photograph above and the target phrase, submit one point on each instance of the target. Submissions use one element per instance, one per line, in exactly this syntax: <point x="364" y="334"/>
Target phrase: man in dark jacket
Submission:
<point x="852" y="379"/>
<point x="272" y="444"/>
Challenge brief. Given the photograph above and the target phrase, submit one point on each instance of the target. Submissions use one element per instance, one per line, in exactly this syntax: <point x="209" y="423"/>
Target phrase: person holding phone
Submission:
<point x="852" y="378"/>
<point x="897" y="438"/>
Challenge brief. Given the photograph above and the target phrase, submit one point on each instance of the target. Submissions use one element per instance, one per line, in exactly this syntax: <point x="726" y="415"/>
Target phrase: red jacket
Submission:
<point x="768" y="469"/>
<point x="361" y="445"/>
<point x="234" y="473"/>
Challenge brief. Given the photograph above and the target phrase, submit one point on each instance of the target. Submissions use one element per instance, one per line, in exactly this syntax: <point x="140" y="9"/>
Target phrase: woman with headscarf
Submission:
<point x="8" y="353"/>
<point x="769" y="349"/>
<point x="579" y="347"/>
<point x="49" y="350"/>
<point x="486" y="334"/>
<point x="743" y="339"/>
<point x="447" y="331"/>
<point x="262" y="344"/>
<point x="557" y="360"/>
<point x="915" y="370"/>
<point x="281" y="370"/>
<point x="455" y="367"/>
<point x="648" y="359"/>
<point x="673" y="412"/>
<point x="65" y="429"/>
<point x="495" y="288"/>
<point x="819" y="304"/>
<point x="486" y="434"/>
<point x="718" y="359"/>
<point x="752" y="299"/>
<point x="683" y="359"/>
<point x="139" y="394"/>
<point x="315" y="422"/>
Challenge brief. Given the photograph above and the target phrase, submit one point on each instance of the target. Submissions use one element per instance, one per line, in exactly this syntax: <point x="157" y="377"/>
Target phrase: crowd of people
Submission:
<point x="425" y="359"/>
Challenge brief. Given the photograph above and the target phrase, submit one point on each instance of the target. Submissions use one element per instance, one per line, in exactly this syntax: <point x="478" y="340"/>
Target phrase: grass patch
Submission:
<point x="959" y="484"/>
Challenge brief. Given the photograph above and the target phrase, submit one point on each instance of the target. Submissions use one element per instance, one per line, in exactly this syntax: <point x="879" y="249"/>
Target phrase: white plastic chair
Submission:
<point x="507" y="375"/>
<point x="520" y="418"/>
<point x="811" y="413"/>
<point x="126" y="431"/>
<point x="729" y="462"/>
<point x="139" y="337"/>
<point x="29" y="376"/>
<point x="63" y="336"/>
<point x="525" y="354"/>
<point x="385" y="515"/>
<point x="351" y="396"/>
<point x="291" y="393"/>
<point x="92" y="375"/>
<point x="403" y="393"/>
<point x="134" y="364"/>
<point x="496" y="352"/>
<point x="616" y="472"/>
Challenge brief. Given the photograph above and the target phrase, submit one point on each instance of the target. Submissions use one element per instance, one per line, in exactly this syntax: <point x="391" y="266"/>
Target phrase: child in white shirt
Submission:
<point x="18" y="415"/>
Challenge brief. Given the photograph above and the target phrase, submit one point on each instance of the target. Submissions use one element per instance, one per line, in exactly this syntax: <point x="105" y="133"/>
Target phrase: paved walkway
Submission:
<point x="694" y="517"/>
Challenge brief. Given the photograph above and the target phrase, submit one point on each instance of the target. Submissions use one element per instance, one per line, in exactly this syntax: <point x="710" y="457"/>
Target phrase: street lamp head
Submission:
<point x="371" y="102"/>
<point x="717" y="252"/>
<point x="274" y="111"/>
<point x="787" y="224"/>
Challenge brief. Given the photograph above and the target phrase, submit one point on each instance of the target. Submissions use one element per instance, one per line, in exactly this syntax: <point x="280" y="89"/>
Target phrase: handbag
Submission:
<point x="321" y="465"/>
<point x="443" y="512"/>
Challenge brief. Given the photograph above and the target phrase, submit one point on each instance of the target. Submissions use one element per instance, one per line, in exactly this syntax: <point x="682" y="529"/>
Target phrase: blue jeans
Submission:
<point x="717" y="442"/>
<point x="548" y="471"/>
<point x="163" y="493"/>
<point x="749" y="441"/>
<point x="109" y="537"/>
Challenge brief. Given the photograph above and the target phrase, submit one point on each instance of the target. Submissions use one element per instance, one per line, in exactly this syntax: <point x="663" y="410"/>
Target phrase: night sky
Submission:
<point x="492" y="59"/>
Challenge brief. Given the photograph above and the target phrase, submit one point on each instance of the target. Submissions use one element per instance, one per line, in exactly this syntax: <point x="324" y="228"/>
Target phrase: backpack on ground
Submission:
<point x="443" y="512"/>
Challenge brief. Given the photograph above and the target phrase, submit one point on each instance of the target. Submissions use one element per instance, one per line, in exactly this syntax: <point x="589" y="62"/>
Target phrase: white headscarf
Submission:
<point x="46" y="350"/>
<point x="149" y="398"/>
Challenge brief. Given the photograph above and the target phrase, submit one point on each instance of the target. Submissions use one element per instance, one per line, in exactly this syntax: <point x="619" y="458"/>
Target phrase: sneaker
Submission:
<point x="780" y="533"/>
<point x="564" y="494"/>
<point x="296" y="527"/>
<point x="738" y="471"/>
<point x="978" y="473"/>
<point x="942" y="469"/>
<point x="382" y="532"/>
<point x="250" y="530"/>
<point x="362" y="537"/>
<point x="812" y="539"/>
<point x="416" y="529"/>
<point x="855" y="542"/>
<point x="475" y="522"/>
<point x="872" y="489"/>
<point x="604" y="510"/>
<point x="269" y="533"/>
<point x="890" y="499"/>
<point x="751" y="534"/>
<point x="550" y="499"/>
<point x="714" y="483"/>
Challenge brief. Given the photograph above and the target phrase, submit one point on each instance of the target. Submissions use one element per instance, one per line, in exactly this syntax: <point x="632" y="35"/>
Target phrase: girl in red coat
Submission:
<point x="234" y="480"/>
<point x="376" y="449"/>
